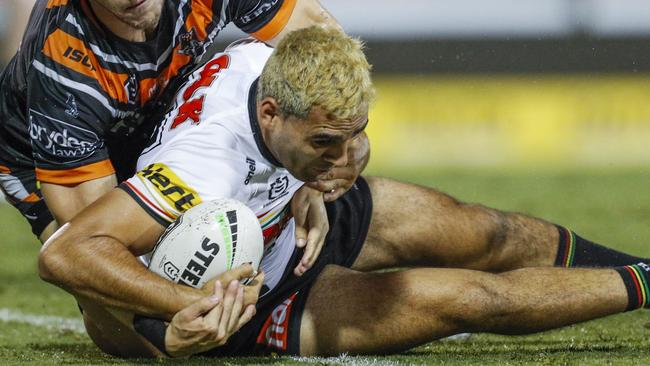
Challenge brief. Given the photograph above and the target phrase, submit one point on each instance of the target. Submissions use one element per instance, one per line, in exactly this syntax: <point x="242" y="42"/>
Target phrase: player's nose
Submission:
<point x="338" y="155"/>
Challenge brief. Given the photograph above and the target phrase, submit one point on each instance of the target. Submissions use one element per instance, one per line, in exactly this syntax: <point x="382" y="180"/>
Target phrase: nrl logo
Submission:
<point x="190" y="45"/>
<point x="279" y="187"/>
<point x="170" y="270"/>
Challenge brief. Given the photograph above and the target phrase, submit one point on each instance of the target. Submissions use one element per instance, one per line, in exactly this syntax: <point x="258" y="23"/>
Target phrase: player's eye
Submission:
<point x="322" y="141"/>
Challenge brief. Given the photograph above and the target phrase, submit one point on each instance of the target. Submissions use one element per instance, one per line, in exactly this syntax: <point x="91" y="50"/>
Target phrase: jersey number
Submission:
<point x="192" y="108"/>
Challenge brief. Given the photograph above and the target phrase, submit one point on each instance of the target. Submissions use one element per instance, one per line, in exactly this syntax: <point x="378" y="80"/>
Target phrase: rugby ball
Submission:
<point x="207" y="240"/>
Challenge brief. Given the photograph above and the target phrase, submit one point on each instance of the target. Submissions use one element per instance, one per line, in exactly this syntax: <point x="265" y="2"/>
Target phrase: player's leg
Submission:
<point x="370" y="313"/>
<point x="112" y="332"/>
<point x="418" y="226"/>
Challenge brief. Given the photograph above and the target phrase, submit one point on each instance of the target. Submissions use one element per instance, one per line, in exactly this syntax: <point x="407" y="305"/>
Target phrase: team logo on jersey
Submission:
<point x="131" y="87"/>
<point x="71" y="107"/>
<point x="279" y="188"/>
<point x="190" y="45"/>
<point x="171" y="188"/>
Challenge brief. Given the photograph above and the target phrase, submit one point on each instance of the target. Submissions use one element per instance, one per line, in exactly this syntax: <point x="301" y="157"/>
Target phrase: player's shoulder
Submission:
<point x="45" y="18"/>
<point x="217" y="93"/>
<point x="248" y="54"/>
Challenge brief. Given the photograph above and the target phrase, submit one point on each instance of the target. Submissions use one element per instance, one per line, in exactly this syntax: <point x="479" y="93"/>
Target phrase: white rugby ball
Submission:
<point x="207" y="240"/>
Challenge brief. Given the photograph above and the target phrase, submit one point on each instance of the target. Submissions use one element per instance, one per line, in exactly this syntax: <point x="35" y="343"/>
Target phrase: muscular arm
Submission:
<point x="305" y="14"/>
<point x="66" y="201"/>
<point x="94" y="256"/>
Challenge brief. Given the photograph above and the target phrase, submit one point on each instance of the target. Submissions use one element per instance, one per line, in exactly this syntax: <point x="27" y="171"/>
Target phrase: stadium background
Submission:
<point x="492" y="83"/>
<point x="524" y="105"/>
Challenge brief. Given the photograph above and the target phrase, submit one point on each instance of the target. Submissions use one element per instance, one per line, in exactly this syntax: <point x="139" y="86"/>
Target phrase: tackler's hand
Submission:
<point x="308" y="209"/>
<point x="339" y="180"/>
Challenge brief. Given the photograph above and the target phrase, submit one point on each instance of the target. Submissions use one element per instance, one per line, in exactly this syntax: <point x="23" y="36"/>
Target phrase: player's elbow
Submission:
<point x="53" y="261"/>
<point x="48" y="264"/>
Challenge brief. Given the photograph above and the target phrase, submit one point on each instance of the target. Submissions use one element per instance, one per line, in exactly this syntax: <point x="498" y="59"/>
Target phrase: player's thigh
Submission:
<point x="419" y="226"/>
<point x="369" y="313"/>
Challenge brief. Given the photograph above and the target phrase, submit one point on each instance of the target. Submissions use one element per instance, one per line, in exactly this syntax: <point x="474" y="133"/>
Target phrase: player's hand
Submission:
<point x="339" y="180"/>
<point x="251" y="290"/>
<point x="208" y="323"/>
<point x="310" y="216"/>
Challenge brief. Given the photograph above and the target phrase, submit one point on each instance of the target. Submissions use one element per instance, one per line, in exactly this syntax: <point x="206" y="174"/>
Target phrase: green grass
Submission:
<point x="611" y="206"/>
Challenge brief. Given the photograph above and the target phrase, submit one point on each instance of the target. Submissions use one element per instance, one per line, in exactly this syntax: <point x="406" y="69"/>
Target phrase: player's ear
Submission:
<point x="268" y="111"/>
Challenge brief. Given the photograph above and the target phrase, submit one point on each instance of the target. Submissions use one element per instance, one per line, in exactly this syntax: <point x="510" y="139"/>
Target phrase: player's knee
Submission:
<point x="49" y="263"/>
<point x="492" y="229"/>
<point x="476" y="306"/>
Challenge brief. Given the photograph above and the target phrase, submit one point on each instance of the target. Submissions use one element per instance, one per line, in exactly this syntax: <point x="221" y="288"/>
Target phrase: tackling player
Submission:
<point x="262" y="130"/>
<point x="79" y="99"/>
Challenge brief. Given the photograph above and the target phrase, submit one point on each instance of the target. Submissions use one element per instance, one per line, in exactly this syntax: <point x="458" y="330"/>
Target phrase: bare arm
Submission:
<point x="94" y="256"/>
<point x="305" y="14"/>
<point x="66" y="201"/>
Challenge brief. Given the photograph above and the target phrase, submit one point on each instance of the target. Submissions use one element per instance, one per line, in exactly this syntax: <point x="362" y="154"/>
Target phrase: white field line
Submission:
<point x="45" y="321"/>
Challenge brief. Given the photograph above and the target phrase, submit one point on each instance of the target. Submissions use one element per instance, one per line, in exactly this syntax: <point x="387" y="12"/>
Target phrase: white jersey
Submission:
<point x="209" y="146"/>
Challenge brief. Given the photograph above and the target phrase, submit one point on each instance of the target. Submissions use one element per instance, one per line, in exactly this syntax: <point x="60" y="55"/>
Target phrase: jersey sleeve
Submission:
<point x="64" y="122"/>
<point x="65" y="130"/>
<point x="184" y="174"/>
<point x="263" y="19"/>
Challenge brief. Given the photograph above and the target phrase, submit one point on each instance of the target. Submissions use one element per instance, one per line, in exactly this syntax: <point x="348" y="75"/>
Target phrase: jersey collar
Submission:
<point x="255" y="126"/>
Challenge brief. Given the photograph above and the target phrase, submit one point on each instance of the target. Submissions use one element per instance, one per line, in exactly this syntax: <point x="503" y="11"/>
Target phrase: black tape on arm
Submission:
<point x="152" y="330"/>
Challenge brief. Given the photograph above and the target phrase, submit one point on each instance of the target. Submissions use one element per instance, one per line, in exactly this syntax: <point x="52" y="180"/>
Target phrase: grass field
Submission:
<point x="611" y="206"/>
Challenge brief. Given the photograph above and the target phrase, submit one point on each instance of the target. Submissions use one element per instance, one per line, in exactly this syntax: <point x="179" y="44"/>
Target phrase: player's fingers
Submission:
<point x="316" y="239"/>
<point x="252" y="291"/>
<point x="333" y="189"/>
<point x="212" y="318"/>
<point x="236" y="310"/>
<point x="322" y="185"/>
<point x="301" y="204"/>
<point x="315" y="242"/>
<point x="301" y="235"/>
<point x="248" y="314"/>
<point x="238" y="273"/>
<point x="199" y="308"/>
<point x="334" y="194"/>
<point x="228" y="302"/>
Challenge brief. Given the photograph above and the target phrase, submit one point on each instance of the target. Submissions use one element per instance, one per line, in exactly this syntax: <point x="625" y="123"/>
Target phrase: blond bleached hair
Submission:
<point x="318" y="66"/>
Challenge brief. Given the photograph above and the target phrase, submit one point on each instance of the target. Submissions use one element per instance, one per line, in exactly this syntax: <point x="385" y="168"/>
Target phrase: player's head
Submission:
<point x="313" y="99"/>
<point x="138" y="14"/>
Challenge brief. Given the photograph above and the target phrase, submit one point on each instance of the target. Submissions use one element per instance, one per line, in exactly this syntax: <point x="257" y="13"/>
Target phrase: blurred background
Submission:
<point x="499" y="83"/>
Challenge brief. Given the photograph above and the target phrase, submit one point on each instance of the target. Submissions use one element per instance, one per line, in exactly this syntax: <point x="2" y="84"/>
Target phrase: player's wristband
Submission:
<point x="153" y="330"/>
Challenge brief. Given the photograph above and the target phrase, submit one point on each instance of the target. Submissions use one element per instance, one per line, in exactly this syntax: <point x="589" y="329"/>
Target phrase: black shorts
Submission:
<point x="275" y="328"/>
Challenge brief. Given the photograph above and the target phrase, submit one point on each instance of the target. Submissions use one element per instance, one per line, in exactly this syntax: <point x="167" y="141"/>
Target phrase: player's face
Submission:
<point x="310" y="148"/>
<point x="139" y="14"/>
